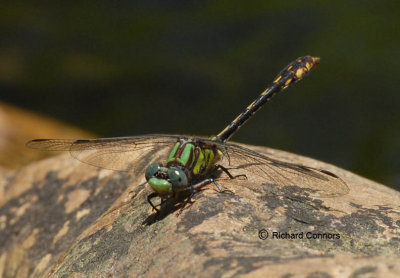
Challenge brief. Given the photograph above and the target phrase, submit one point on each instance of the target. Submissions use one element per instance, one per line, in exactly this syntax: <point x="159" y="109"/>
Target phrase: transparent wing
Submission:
<point x="135" y="153"/>
<point x="316" y="182"/>
<point x="119" y="153"/>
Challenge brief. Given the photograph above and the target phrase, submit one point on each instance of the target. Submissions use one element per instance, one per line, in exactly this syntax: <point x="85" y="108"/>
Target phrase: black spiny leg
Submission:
<point x="194" y="188"/>
<point x="187" y="201"/>
<point x="152" y="196"/>
<point x="218" y="166"/>
<point x="226" y="171"/>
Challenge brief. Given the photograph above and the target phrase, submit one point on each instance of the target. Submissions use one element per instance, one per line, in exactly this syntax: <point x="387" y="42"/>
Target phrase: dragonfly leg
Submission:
<point x="226" y="171"/>
<point x="188" y="200"/>
<point x="199" y="185"/>
<point x="152" y="196"/>
<point x="194" y="188"/>
<point x="207" y="181"/>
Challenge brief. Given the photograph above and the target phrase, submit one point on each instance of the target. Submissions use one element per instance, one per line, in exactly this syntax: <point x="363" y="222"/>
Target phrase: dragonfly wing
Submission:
<point x="317" y="182"/>
<point x="119" y="153"/>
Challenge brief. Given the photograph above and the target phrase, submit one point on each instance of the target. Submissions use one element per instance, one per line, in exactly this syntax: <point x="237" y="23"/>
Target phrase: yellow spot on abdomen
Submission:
<point x="288" y="81"/>
<point x="237" y="118"/>
<point x="315" y="60"/>
<point x="251" y="105"/>
<point x="300" y="72"/>
<point x="277" y="79"/>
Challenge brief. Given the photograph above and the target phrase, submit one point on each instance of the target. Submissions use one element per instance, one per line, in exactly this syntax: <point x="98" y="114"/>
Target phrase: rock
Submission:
<point x="60" y="217"/>
<point x="18" y="126"/>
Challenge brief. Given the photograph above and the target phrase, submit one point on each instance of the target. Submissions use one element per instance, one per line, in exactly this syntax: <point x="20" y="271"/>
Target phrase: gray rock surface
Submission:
<point x="60" y="218"/>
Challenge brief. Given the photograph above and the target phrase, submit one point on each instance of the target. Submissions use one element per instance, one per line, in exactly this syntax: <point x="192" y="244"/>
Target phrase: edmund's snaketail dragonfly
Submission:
<point x="191" y="162"/>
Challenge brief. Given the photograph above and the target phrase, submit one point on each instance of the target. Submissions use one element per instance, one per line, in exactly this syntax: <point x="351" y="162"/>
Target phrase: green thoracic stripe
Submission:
<point x="198" y="159"/>
<point x="199" y="163"/>
<point x="186" y="154"/>
<point x="209" y="158"/>
<point x="173" y="152"/>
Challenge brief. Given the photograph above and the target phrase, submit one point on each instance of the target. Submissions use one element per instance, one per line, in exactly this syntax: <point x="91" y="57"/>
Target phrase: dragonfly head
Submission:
<point x="166" y="180"/>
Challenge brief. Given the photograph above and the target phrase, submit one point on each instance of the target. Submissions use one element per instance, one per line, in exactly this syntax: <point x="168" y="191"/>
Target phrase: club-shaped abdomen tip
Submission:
<point x="303" y="65"/>
<point x="315" y="60"/>
<point x="309" y="62"/>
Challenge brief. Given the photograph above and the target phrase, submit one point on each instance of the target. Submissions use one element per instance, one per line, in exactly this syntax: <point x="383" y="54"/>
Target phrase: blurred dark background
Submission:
<point x="119" y="68"/>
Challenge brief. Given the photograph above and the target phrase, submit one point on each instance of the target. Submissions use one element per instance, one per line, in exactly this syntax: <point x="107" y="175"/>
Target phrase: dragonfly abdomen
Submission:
<point x="291" y="74"/>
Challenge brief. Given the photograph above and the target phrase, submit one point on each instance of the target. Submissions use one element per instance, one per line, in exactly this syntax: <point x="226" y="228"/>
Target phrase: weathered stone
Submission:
<point x="59" y="217"/>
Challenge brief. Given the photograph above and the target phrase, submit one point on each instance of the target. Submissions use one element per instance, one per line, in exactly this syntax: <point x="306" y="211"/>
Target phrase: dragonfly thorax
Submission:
<point x="187" y="160"/>
<point x="197" y="157"/>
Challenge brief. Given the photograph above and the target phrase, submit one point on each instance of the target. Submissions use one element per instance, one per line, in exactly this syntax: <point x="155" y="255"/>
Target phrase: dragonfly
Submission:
<point x="189" y="163"/>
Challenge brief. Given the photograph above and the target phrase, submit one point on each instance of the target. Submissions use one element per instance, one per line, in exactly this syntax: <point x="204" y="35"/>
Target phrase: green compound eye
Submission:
<point x="152" y="170"/>
<point x="178" y="178"/>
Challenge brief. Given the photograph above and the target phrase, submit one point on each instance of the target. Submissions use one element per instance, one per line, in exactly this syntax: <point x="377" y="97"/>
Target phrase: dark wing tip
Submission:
<point x="37" y="140"/>
<point x="82" y="141"/>
<point x="328" y="173"/>
<point x="33" y="143"/>
<point x="50" y="144"/>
